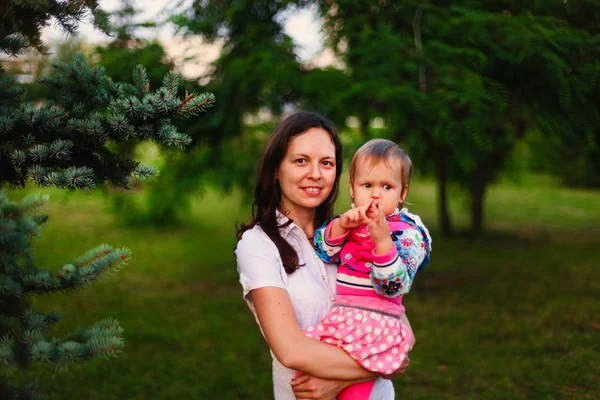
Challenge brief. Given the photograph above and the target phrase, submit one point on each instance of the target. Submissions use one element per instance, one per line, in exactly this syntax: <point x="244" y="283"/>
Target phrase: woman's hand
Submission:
<point x="307" y="387"/>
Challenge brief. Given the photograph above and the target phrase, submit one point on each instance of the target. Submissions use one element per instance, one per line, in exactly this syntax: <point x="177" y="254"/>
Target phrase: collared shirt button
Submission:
<point x="324" y="277"/>
<point x="332" y="298"/>
<point x="316" y="257"/>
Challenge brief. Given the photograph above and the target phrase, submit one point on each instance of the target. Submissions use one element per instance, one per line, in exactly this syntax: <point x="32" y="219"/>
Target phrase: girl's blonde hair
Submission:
<point x="376" y="150"/>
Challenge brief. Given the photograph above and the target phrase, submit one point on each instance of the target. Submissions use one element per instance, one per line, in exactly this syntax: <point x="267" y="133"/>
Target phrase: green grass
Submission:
<point x="513" y="314"/>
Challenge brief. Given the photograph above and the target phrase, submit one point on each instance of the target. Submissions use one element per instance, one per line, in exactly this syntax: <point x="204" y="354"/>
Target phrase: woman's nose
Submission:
<point x="314" y="172"/>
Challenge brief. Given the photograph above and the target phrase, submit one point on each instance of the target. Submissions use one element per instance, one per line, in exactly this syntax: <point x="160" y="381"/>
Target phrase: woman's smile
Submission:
<point x="312" y="190"/>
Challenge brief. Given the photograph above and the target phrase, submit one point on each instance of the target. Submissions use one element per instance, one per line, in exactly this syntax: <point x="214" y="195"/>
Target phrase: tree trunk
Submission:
<point x="440" y="159"/>
<point x="364" y="125"/>
<point x="443" y="212"/>
<point x="478" y="199"/>
<point x="6" y="392"/>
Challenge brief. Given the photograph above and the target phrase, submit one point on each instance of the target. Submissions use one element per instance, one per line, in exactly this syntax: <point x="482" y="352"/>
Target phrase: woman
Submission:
<point x="286" y="285"/>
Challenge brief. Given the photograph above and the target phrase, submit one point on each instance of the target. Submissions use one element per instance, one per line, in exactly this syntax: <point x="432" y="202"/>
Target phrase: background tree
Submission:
<point x="257" y="69"/>
<point x="65" y="144"/>
<point x="460" y="83"/>
<point x="126" y="51"/>
<point x="123" y="53"/>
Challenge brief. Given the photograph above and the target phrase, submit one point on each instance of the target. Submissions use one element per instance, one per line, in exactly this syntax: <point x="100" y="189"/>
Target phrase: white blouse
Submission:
<point x="311" y="289"/>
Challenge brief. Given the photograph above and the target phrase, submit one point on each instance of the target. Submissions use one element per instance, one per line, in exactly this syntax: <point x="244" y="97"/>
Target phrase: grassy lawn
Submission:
<point x="514" y="314"/>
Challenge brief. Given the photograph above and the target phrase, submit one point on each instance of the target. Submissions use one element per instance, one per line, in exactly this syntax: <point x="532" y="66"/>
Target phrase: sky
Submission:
<point x="302" y="26"/>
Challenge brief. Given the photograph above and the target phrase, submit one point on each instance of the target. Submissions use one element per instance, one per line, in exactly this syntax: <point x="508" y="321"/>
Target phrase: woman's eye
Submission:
<point x="328" y="163"/>
<point x="301" y="161"/>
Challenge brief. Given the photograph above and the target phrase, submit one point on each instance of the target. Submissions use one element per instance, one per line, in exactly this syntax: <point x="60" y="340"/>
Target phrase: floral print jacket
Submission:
<point x="362" y="272"/>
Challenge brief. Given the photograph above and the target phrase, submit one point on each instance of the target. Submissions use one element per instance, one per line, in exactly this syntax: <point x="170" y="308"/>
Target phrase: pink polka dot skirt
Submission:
<point x="376" y="340"/>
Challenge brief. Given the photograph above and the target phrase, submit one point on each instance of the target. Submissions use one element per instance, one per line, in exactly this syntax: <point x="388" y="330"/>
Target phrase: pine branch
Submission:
<point x="193" y="103"/>
<point x="141" y="77"/>
<point x="93" y="255"/>
<point x="171" y="83"/>
<point x="45" y="144"/>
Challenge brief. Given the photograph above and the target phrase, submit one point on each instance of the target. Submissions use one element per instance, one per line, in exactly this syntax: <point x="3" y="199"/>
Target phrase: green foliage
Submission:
<point x="125" y="52"/>
<point x="118" y="61"/>
<point x="460" y="83"/>
<point x="332" y="92"/>
<point x="64" y="144"/>
<point x="256" y="70"/>
<point x="22" y="330"/>
<point x="21" y="21"/>
<point x="576" y="165"/>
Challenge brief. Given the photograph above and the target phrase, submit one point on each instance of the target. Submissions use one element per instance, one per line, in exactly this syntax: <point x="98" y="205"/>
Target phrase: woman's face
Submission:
<point x="307" y="173"/>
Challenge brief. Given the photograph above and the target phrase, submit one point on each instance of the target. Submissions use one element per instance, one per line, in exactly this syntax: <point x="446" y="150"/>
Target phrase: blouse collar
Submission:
<point x="285" y="224"/>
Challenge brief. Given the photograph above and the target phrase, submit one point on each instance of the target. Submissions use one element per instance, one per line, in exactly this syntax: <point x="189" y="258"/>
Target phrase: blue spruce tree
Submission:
<point x="64" y="144"/>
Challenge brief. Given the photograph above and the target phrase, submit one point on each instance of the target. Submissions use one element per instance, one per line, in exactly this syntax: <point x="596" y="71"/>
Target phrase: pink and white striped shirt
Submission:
<point x="364" y="273"/>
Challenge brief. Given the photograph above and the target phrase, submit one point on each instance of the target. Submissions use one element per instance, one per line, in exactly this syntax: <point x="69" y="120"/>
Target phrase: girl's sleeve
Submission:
<point x="393" y="273"/>
<point x="328" y="248"/>
<point x="258" y="262"/>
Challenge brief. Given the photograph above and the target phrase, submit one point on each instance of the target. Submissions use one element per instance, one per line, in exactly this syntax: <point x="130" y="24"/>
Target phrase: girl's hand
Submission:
<point x="308" y="387"/>
<point x="355" y="217"/>
<point x="379" y="228"/>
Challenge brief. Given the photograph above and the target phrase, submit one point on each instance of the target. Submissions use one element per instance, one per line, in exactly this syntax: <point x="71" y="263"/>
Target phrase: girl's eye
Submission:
<point x="367" y="185"/>
<point x="387" y="187"/>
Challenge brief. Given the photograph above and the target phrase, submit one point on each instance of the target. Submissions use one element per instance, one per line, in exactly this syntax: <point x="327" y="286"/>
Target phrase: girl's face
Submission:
<point x="381" y="182"/>
<point x="307" y="172"/>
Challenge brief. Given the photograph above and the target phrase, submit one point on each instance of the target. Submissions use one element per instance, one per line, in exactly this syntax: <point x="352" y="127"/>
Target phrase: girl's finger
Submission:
<point x="363" y="215"/>
<point x="375" y="207"/>
<point x="366" y="205"/>
<point x="370" y="220"/>
<point x="372" y="210"/>
<point x="363" y="207"/>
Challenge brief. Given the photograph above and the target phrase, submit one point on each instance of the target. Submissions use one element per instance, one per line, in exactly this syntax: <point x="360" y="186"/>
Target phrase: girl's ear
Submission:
<point x="351" y="190"/>
<point x="404" y="194"/>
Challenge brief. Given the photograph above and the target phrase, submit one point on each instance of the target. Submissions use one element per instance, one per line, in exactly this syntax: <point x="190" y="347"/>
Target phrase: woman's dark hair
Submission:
<point x="267" y="194"/>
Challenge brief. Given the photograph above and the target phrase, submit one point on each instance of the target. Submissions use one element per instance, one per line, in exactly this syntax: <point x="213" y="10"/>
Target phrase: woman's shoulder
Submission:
<point x="255" y="240"/>
<point x="258" y="261"/>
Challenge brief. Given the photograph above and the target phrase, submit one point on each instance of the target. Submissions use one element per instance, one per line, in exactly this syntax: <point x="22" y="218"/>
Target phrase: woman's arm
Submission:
<point x="309" y="387"/>
<point x="293" y="348"/>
